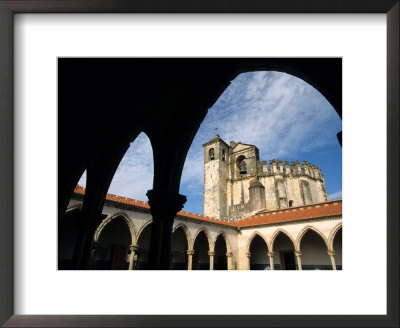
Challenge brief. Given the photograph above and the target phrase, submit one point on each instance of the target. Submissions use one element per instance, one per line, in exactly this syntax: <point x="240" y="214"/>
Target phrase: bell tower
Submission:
<point x="216" y="172"/>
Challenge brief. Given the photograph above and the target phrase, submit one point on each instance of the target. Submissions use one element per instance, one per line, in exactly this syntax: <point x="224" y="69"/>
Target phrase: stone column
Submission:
<point x="133" y="249"/>
<point x="298" y="257"/>
<point x="190" y="258"/>
<point x="163" y="208"/>
<point x="229" y="260"/>
<point x="248" y="256"/>
<point x="271" y="260"/>
<point x="332" y="256"/>
<point x="211" y="254"/>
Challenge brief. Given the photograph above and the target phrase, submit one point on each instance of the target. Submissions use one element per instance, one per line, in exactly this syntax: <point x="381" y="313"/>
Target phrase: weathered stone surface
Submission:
<point x="227" y="181"/>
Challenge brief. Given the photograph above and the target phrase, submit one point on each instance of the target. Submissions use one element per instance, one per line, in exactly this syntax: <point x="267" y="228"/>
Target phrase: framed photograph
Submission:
<point x="39" y="34"/>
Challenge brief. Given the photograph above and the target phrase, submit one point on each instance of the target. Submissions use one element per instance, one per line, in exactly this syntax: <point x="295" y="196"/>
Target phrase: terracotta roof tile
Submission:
<point x="311" y="211"/>
<point x="329" y="208"/>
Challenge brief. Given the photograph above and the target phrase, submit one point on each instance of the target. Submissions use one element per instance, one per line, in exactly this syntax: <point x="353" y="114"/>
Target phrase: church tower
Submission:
<point x="237" y="184"/>
<point x="216" y="173"/>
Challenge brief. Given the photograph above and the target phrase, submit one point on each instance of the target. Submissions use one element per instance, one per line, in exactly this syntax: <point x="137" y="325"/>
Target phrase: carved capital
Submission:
<point x="331" y="253"/>
<point x="248" y="255"/>
<point x="190" y="252"/>
<point x="211" y="253"/>
<point x="229" y="254"/>
<point x="298" y="254"/>
<point x="271" y="254"/>
<point x="164" y="205"/>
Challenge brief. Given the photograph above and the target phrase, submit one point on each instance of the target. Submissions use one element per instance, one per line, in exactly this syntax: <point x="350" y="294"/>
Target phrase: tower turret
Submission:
<point x="216" y="172"/>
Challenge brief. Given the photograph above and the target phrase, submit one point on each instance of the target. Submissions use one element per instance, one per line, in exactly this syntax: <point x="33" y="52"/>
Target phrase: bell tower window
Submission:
<point x="211" y="153"/>
<point x="242" y="165"/>
<point x="223" y="154"/>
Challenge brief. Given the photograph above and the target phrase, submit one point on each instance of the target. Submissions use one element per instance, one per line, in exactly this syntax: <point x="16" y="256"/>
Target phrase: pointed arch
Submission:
<point x="187" y="233"/>
<point x="332" y="235"/>
<point x="227" y="242"/>
<point x="110" y="218"/>
<point x="143" y="227"/>
<point x="134" y="168"/>
<point x="276" y="234"/>
<point x="256" y="233"/>
<point x="207" y="233"/>
<point x="74" y="208"/>
<point x="304" y="231"/>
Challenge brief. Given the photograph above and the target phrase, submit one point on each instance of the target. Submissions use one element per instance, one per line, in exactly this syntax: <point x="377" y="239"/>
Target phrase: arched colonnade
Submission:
<point x="285" y="251"/>
<point x="184" y="258"/>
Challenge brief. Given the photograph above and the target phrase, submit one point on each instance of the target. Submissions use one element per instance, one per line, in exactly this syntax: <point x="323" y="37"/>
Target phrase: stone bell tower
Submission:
<point x="216" y="173"/>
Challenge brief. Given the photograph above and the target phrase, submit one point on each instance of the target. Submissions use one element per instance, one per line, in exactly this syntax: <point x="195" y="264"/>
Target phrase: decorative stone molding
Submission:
<point x="164" y="205"/>
<point x="229" y="254"/>
<point x="211" y="253"/>
<point x="190" y="252"/>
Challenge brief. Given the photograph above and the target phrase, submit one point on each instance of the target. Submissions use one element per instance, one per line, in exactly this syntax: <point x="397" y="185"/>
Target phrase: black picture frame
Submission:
<point x="7" y="201"/>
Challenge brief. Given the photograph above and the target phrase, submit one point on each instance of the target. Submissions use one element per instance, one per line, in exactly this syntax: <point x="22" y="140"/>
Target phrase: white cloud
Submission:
<point x="134" y="175"/>
<point x="280" y="114"/>
<point x="335" y="195"/>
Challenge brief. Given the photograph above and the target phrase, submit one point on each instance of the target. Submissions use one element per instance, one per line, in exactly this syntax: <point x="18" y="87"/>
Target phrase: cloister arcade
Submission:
<point x="122" y="241"/>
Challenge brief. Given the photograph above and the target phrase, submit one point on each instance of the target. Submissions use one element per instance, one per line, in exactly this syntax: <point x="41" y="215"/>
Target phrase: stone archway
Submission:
<point x="201" y="247"/>
<point x="284" y="251"/>
<point x="179" y="247"/>
<point x="337" y="249"/>
<point x="258" y="253"/>
<point x="220" y="251"/>
<point x="112" y="247"/>
<point x="313" y="251"/>
<point x="141" y="261"/>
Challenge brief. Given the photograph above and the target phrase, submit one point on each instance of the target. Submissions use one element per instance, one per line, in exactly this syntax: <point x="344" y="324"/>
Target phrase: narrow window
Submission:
<point x="211" y="153"/>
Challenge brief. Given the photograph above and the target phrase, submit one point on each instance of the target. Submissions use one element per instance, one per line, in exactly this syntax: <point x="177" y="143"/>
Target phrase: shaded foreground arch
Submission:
<point x="97" y="122"/>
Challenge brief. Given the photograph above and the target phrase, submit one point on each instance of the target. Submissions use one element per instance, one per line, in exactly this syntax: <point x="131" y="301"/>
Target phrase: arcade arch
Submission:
<point x="220" y="253"/>
<point x="313" y="251"/>
<point x="283" y="251"/>
<point x="201" y="247"/>
<point x="179" y="248"/>
<point x="112" y="245"/>
<point x="143" y="245"/>
<point x="258" y="253"/>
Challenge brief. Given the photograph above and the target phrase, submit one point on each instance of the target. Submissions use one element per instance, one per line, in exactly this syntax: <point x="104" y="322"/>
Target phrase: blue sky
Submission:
<point x="282" y="115"/>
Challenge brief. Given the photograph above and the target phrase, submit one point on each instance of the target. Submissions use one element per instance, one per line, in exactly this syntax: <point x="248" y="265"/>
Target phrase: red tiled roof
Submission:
<point x="312" y="211"/>
<point x="264" y="217"/>
<point x="118" y="199"/>
<point x="137" y="203"/>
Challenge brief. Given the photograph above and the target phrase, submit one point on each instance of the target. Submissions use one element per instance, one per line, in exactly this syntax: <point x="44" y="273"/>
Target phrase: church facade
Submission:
<point x="255" y="218"/>
<point x="237" y="184"/>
